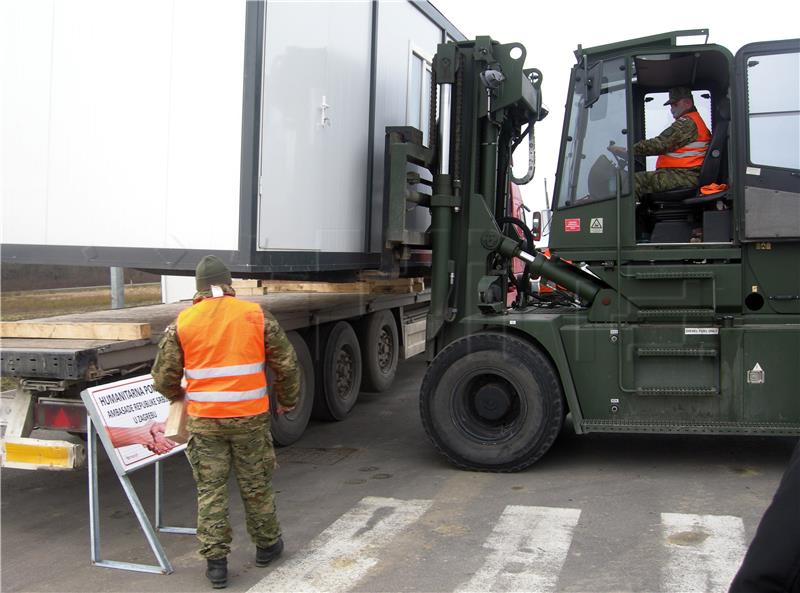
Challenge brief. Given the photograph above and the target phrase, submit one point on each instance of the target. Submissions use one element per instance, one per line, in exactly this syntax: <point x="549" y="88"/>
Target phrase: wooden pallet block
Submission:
<point x="283" y="286"/>
<point x="76" y="331"/>
<point x="397" y="286"/>
<point x="248" y="290"/>
<point x="240" y="283"/>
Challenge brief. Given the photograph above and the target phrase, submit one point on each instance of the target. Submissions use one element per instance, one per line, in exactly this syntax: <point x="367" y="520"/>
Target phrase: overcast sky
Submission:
<point x="552" y="30"/>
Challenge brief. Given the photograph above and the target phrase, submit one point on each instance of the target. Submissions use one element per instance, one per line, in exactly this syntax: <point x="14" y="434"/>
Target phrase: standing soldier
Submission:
<point x="681" y="148"/>
<point x="221" y="345"/>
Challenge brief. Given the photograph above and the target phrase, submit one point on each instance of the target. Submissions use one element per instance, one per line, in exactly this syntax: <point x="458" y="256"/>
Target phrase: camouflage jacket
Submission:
<point x="682" y="131"/>
<point x="281" y="359"/>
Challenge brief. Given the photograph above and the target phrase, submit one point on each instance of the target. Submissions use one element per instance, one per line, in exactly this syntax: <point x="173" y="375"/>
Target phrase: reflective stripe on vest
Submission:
<point x="224" y="358"/>
<point x="225" y="396"/>
<point x="691" y="155"/>
<point x="229" y="371"/>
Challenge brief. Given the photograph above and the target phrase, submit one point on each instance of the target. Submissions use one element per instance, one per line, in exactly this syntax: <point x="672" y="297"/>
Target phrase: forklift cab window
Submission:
<point x="773" y="110"/>
<point x="589" y="172"/>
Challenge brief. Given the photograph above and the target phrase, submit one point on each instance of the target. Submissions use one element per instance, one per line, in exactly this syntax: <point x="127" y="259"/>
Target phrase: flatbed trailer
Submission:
<point x="346" y="342"/>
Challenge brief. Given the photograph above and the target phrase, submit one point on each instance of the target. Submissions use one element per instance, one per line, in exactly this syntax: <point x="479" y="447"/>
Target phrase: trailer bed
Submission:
<point x="71" y="359"/>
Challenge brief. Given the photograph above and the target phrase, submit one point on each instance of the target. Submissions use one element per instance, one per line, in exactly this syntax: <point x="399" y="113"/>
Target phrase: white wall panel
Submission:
<point x="24" y="117"/>
<point x="143" y="103"/>
<point x="205" y="134"/>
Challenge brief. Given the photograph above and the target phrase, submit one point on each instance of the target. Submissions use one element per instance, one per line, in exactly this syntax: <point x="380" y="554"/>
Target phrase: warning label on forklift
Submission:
<point x="701" y="331"/>
<point x="572" y="225"/>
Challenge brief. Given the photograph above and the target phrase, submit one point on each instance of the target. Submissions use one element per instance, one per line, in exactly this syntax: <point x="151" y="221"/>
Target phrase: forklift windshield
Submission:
<point x="588" y="170"/>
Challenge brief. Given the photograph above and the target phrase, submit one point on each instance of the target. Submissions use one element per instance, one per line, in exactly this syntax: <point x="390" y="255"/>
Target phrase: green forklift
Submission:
<point x="671" y="313"/>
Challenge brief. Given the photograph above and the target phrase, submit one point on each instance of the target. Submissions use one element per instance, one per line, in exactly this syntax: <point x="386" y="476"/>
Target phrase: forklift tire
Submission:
<point x="380" y="347"/>
<point x="288" y="427"/>
<point x="491" y="402"/>
<point x="338" y="372"/>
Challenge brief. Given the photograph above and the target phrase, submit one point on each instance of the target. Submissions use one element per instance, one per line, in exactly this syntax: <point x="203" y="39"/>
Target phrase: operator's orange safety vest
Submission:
<point x="224" y="358"/>
<point x="692" y="154"/>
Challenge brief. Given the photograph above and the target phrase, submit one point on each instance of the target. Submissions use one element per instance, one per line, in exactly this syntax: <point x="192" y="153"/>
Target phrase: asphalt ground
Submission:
<point x="368" y="505"/>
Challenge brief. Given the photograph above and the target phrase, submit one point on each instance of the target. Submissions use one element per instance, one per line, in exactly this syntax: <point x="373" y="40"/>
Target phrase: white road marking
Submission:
<point x="705" y="552"/>
<point x="345" y="552"/>
<point x="529" y="546"/>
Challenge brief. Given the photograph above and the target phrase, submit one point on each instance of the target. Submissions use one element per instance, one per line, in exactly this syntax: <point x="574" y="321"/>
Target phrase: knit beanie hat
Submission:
<point x="211" y="271"/>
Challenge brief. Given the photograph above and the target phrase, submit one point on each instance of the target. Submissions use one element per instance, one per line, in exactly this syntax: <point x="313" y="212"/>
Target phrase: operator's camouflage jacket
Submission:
<point x="281" y="359"/>
<point x="682" y="131"/>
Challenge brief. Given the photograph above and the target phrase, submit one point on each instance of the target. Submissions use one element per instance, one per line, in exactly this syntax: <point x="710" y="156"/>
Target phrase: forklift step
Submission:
<point x="691" y="352"/>
<point x="696" y="427"/>
<point x="676" y="313"/>
<point x="682" y="391"/>
<point x="674" y="275"/>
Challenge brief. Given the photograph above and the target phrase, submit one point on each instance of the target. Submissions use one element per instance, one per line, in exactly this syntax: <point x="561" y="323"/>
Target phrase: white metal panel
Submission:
<point x="24" y="101"/>
<point x="402" y="29"/>
<point x="177" y="288"/>
<point x="144" y="123"/>
<point x="108" y="124"/>
<point x="315" y="126"/>
<point x="205" y="115"/>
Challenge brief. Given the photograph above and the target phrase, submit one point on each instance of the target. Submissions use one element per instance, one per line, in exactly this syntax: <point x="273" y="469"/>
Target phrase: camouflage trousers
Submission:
<point x="215" y="446"/>
<point x="648" y="182"/>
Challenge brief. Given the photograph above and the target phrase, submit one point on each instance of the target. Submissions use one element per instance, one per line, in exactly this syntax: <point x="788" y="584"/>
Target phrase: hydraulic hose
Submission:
<point x="526" y="275"/>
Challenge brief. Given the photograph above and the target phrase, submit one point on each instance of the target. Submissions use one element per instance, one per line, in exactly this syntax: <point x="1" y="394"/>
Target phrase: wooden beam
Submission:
<point x="77" y="331"/>
<point x="276" y="286"/>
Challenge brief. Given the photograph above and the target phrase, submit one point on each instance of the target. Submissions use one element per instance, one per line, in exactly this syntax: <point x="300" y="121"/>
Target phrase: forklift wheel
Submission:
<point x="491" y="402"/>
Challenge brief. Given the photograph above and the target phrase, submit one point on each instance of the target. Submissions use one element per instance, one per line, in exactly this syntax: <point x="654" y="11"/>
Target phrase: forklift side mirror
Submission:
<point x="594" y="84"/>
<point x="536" y="226"/>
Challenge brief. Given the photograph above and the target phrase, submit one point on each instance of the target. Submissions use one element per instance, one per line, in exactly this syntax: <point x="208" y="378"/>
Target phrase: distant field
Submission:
<point x="32" y="304"/>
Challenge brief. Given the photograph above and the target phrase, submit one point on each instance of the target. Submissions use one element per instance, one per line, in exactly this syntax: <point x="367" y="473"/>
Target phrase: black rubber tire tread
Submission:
<point x="327" y="404"/>
<point x="508" y="357"/>
<point x="374" y="379"/>
<point x="288" y="428"/>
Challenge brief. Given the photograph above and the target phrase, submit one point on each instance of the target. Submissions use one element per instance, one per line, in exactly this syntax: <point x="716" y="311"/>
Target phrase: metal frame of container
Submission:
<point x="248" y="258"/>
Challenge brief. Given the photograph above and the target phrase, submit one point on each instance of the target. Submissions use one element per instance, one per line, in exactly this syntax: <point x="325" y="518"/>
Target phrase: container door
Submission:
<point x="315" y="125"/>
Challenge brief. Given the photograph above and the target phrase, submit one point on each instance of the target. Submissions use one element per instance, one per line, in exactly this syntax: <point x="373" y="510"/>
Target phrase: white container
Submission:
<point x="149" y="134"/>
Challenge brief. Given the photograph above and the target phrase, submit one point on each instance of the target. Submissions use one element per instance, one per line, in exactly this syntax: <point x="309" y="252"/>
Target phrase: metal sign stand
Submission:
<point x="164" y="566"/>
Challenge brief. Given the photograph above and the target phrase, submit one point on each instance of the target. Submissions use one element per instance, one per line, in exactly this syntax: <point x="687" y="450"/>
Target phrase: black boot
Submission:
<point x="217" y="572"/>
<point x="266" y="555"/>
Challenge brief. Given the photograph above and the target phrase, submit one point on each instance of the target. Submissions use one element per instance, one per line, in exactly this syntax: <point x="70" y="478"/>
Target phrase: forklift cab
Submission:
<point x="750" y="104"/>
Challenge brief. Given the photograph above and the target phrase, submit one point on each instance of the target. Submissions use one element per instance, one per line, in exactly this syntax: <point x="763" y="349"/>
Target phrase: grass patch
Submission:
<point x="33" y="304"/>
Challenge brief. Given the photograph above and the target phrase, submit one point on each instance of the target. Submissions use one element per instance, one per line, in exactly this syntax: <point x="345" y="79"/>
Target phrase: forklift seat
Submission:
<point x="679" y="205"/>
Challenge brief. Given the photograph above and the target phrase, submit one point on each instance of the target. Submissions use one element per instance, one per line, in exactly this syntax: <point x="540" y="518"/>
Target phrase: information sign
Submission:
<point x="129" y="416"/>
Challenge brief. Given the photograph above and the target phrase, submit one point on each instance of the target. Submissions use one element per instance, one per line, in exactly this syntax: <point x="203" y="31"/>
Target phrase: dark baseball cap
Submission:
<point x="677" y="93"/>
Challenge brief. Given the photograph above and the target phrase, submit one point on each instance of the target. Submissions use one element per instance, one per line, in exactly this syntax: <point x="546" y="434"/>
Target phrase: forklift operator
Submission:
<point x="680" y="148"/>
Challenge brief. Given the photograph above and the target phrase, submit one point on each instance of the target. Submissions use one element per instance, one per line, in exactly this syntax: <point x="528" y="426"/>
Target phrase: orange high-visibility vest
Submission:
<point x="224" y="358"/>
<point x="692" y="154"/>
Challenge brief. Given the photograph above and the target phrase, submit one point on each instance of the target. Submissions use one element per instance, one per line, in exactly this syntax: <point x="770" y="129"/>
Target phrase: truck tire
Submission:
<point x="338" y="372"/>
<point x="491" y="402"/>
<point x="288" y="427"/>
<point x="380" y="348"/>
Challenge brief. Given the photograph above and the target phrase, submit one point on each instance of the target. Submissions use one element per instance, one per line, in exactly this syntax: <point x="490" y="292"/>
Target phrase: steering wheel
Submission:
<point x="621" y="160"/>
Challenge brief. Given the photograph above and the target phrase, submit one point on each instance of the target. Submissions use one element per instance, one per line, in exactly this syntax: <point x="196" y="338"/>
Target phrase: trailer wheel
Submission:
<point x="491" y="402"/>
<point x="288" y="427"/>
<point x="338" y="372"/>
<point x="380" y="347"/>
